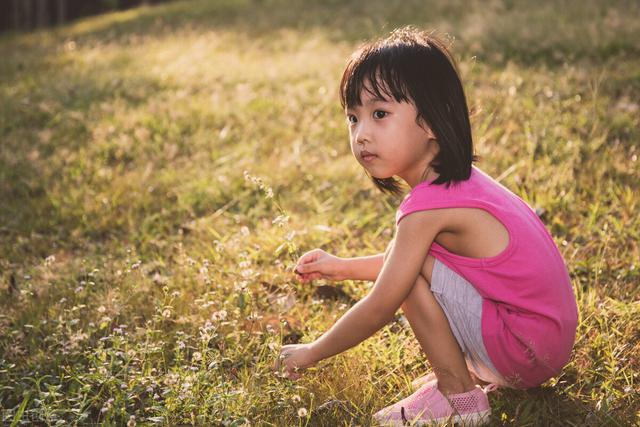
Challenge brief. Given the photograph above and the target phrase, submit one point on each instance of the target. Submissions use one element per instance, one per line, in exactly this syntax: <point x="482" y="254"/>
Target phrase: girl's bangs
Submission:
<point x="373" y="72"/>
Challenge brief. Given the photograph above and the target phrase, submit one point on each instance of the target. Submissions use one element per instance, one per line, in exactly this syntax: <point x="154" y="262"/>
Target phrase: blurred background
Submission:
<point x="24" y="15"/>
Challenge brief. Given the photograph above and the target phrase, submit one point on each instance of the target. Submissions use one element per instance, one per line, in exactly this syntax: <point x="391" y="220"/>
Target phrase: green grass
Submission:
<point x="143" y="274"/>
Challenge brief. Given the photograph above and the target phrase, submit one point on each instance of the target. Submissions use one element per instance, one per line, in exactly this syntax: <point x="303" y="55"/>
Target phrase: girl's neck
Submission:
<point x="428" y="176"/>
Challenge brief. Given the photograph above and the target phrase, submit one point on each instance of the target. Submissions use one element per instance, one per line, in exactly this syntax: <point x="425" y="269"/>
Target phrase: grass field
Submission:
<point x="161" y="169"/>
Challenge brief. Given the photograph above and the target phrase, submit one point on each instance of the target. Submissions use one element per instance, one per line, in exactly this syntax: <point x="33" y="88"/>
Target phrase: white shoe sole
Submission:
<point x="475" y="419"/>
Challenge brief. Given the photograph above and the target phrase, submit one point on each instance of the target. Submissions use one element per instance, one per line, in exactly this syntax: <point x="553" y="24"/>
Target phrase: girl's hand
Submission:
<point x="318" y="264"/>
<point x="294" y="357"/>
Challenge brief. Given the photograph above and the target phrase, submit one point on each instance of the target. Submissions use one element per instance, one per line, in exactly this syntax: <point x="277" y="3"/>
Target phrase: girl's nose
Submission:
<point x="362" y="134"/>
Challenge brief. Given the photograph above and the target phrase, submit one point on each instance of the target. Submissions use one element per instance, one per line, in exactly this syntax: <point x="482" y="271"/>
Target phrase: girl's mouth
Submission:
<point x="367" y="157"/>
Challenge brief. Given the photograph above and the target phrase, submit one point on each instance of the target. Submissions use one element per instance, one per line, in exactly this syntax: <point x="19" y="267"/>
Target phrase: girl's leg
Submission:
<point x="431" y="327"/>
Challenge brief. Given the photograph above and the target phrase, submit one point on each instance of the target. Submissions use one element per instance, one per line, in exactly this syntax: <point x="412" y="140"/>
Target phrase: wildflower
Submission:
<point x="240" y="286"/>
<point x="302" y="412"/>
<point x="197" y="356"/>
<point x="132" y="421"/>
<point x="49" y="260"/>
<point x="219" y="315"/>
<point x="296" y="398"/>
<point x="108" y="404"/>
<point x="281" y="220"/>
<point x="219" y="247"/>
<point x="166" y="312"/>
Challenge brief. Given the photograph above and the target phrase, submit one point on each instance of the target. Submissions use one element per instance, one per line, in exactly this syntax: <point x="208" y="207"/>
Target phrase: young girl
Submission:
<point x="478" y="276"/>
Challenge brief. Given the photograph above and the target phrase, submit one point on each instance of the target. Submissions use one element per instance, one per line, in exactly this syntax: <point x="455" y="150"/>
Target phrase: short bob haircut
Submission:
<point x="413" y="66"/>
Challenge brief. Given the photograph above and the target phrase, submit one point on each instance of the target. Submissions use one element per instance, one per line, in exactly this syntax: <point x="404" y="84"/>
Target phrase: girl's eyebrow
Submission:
<point x="376" y="99"/>
<point x="372" y="100"/>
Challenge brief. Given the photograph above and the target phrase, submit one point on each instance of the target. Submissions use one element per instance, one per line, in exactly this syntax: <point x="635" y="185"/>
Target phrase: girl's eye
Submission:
<point x="379" y="114"/>
<point x="351" y="118"/>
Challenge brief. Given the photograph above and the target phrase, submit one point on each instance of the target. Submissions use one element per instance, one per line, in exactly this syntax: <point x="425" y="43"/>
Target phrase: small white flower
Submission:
<point x="281" y="220"/>
<point x="219" y="315"/>
<point x="296" y="398"/>
<point x="302" y="412"/>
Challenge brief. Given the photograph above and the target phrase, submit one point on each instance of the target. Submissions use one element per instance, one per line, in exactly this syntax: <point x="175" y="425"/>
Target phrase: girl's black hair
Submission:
<point x="413" y="66"/>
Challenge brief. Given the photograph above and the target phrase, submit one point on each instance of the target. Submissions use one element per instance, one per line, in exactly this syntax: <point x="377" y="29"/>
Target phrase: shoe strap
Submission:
<point x="405" y="421"/>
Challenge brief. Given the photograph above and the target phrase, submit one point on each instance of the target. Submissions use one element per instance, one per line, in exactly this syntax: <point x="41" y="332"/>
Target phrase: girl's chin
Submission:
<point x="378" y="176"/>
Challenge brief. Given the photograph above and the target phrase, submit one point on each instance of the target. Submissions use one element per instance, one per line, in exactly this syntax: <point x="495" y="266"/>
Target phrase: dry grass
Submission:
<point x="145" y="275"/>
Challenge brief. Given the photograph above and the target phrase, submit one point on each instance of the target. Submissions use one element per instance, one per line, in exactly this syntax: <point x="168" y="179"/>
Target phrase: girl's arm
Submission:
<point x="414" y="237"/>
<point x="363" y="268"/>
<point x="366" y="267"/>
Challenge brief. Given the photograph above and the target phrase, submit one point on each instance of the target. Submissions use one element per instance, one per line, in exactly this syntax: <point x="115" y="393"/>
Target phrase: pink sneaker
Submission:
<point x="429" y="406"/>
<point x="426" y="379"/>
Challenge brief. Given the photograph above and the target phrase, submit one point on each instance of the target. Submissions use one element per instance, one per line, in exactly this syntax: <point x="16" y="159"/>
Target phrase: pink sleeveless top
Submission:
<point x="529" y="312"/>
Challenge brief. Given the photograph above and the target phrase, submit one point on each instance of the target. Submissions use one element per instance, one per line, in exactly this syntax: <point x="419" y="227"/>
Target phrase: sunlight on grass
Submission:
<point x="161" y="169"/>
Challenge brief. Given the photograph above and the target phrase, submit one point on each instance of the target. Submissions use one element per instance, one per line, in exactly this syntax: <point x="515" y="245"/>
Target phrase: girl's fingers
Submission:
<point x="303" y="268"/>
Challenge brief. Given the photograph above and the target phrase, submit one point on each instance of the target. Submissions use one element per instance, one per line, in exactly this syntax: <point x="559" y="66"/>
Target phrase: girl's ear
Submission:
<point x="425" y="126"/>
<point x="433" y="146"/>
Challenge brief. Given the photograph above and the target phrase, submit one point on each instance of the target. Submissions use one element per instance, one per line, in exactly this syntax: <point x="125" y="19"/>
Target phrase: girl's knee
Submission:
<point x="421" y="282"/>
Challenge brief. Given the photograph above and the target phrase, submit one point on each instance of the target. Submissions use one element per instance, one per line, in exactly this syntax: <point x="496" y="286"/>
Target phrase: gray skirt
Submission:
<point x="462" y="305"/>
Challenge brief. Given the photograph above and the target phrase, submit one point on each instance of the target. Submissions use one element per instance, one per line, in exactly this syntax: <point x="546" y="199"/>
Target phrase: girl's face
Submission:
<point x="388" y="130"/>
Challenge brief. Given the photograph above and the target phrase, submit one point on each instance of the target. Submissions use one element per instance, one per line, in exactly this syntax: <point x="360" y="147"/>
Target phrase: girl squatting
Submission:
<point x="476" y="273"/>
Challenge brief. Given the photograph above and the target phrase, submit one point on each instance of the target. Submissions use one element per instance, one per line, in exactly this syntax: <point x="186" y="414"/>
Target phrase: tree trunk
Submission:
<point x="27" y="14"/>
<point x="62" y="11"/>
<point x="42" y="14"/>
<point x="15" y="9"/>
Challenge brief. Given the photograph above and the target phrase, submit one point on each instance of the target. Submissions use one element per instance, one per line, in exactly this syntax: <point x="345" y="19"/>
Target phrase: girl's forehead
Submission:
<point x="369" y="98"/>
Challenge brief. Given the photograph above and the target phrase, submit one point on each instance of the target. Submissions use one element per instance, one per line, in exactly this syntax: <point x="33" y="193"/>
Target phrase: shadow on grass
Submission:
<point x="543" y="406"/>
<point x="546" y="406"/>
<point x="551" y="34"/>
<point x="43" y="135"/>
